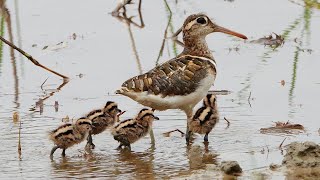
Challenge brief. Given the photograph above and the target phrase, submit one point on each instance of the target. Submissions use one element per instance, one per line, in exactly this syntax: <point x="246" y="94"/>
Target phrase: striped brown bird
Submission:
<point x="131" y="130"/>
<point x="102" y="119"/>
<point x="182" y="82"/>
<point x="205" y="118"/>
<point x="68" y="135"/>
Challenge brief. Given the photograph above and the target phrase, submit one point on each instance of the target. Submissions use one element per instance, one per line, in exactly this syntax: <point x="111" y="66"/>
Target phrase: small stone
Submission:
<point x="231" y="168"/>
<point x="303" y="155"/>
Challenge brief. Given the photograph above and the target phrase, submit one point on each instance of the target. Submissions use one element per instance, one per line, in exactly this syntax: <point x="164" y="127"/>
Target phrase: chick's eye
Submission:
<point x="201" y="20"/>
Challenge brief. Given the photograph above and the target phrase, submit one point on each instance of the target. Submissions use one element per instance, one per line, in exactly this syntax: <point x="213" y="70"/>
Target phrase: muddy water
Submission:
<point x="103" y="56"/>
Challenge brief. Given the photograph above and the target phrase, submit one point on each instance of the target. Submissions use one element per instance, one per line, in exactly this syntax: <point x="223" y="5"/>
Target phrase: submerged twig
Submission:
<point x="249" y="99"/>
<point x="282" y="142"/>
<point x="41" y="100"/>
<point x="34" y="61"/>
<point x="167" y="134"/>
<point x="43" y="83"/>
<point x="19" y="141"/>
<point x="227" y="121"/>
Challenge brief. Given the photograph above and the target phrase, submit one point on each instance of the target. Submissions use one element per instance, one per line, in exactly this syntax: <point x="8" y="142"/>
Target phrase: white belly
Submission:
<point x="174" y="102"/>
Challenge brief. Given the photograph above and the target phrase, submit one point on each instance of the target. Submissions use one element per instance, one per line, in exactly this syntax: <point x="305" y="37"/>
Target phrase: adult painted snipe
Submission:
<point x="182" y="82"/>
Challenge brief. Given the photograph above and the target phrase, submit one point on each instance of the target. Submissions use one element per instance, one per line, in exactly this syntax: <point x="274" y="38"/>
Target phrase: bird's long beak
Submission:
<point x="156" y="118"/>
<point x="227" y="31"/>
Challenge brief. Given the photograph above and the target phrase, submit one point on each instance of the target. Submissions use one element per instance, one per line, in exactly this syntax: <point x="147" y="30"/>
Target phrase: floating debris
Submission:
<point x="236" y="49"/>
<point x="34" y="45"/>
<point x="56" y="106"/>
<point x="15" y="117"/>
<point x="274" y="42"/>
<point x="305" y="50"/>
<point x="39" y="104"/>
<point x="282" y="82"/>
<point x="274" y="167"/>
<point x="282" y="127"/>
<point x="80" y="75"/>
<point x="219" y="92"/>
<point x="74" y="36"/>
<point x="167" y="134"/>
<point x="56" y="47"/>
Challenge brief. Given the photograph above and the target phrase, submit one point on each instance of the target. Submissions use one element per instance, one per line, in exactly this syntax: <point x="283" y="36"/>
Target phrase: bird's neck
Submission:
<point x="196" y="46"/>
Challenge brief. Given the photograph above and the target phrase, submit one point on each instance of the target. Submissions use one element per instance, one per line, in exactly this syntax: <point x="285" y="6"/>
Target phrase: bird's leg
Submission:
<point x="206" y="138"/>
<point x="188" y="134"/>
<point x="63" y="152"/>
<point x="152" y="136"/>
<point x="120" y="146"/>
<point x="129" y="147"/>
<point x="189" y="116"/>
<point x="90" y="143"/>
<point x="52" y="151"/>
<point x="153" y="141"/>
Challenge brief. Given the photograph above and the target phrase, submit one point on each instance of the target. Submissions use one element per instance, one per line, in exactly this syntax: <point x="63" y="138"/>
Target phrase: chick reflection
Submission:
<point x="199" y="157"/>
<point x="137" y="163"/>
<point x="89" y="165"/>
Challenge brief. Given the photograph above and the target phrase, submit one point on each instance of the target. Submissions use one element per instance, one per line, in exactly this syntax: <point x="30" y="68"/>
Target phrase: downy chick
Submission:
<point x="131" y="130"/>
<point x="103" y="119"/>
<point x="205" y="117"/>
<point x="68" y="135"/>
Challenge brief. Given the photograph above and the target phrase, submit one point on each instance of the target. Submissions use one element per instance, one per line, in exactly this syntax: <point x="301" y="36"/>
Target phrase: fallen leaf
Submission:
<point x="15" y="117"/>
<point x="282" y="127"/>
<point x="282" y="82"/>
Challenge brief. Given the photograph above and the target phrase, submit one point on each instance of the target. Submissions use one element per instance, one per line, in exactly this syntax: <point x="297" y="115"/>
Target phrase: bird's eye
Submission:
<point x="201" y="20"/>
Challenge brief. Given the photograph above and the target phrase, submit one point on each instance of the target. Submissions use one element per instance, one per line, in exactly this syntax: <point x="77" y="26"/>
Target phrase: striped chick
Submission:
<point x="103" y="119"/>
<point x="131" y="130"/>
<point x="205" y="118"/>
<point x="68" y="135"/>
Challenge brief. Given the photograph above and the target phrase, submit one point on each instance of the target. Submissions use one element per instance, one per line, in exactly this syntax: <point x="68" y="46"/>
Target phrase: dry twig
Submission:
<point x="34" y="61"/>
<point x="167" y="134"/>
<point x="249" y="99"/>
<point x="227" y="121"/>
<point x="282" y="142"/>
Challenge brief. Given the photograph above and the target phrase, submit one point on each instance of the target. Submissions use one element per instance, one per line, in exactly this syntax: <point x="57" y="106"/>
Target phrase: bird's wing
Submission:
<point x="179" y="76"/>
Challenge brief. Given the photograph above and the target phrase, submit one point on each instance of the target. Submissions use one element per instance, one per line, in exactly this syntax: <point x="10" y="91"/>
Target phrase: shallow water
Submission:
<point x="103" y="53"/>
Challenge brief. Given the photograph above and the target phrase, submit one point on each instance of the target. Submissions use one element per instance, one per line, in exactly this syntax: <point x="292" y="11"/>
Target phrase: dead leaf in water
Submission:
<point x="282" y="127"/>
<point x="56" y="106"/>
<point x="282" y="82"/>
<point x="15" y="117"/>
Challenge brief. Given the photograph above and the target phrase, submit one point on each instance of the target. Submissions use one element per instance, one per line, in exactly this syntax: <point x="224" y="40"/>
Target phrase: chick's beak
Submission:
<point x="227" y="31"/>
<point x="156" y="117"/>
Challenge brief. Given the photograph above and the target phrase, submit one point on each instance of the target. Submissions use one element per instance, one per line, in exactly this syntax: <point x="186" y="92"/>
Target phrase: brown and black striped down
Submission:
<point x="205" y="117"/>
<point x="131" y="130"/>
<point x="68" y="135"/>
